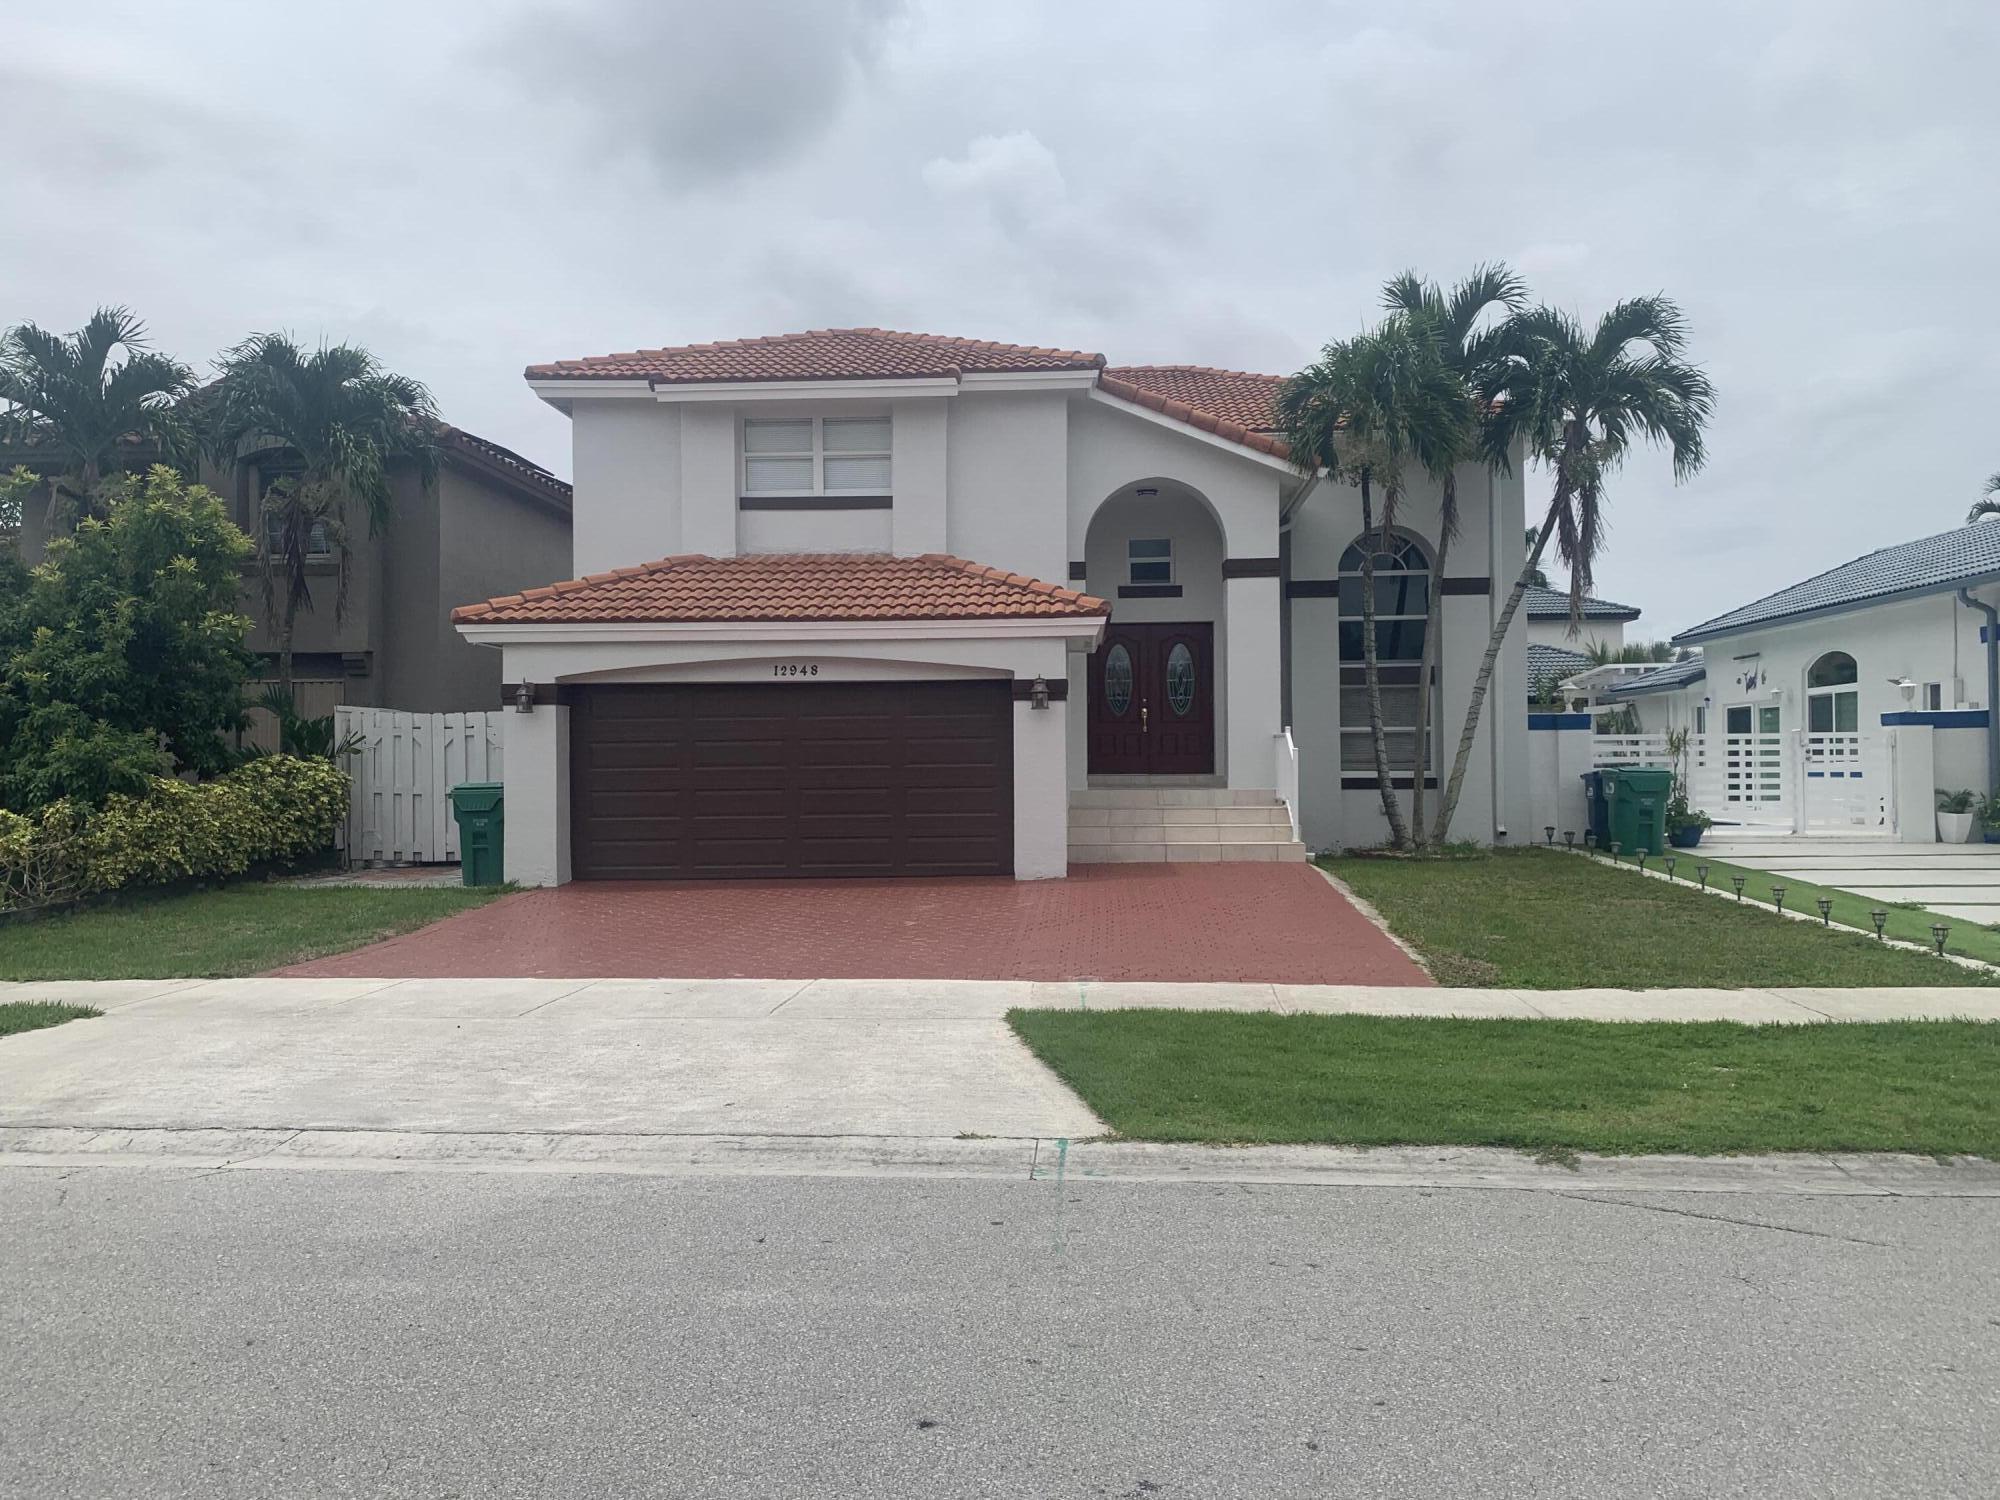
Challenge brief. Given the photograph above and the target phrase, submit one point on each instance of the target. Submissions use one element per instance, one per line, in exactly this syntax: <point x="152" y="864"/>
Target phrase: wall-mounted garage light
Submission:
<point x="524" y="698"/>
<point x="1038" y="693"/>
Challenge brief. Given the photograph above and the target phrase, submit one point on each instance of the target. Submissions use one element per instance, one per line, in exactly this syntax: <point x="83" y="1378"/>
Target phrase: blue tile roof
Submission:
<point x="1545" y="662"/>
<point x="1553" y="604"/>
<point x="1677" y="674"/>
<point x="1933" y="564"/>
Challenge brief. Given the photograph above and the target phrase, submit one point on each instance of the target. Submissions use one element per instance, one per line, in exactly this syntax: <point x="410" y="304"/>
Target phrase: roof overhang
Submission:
<point x="1702" y="633"/>
<point x="1026" y="627"/>
<point x="560" y="391"/>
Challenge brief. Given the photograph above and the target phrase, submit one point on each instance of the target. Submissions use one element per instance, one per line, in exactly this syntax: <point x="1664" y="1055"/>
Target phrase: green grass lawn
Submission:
<point x="1910" y="923"/>
<point x="238" y="929"/>
<point x="1535" y="919"/>
<point x="33" y="1015"/>
<point x="1709" y="1088"/>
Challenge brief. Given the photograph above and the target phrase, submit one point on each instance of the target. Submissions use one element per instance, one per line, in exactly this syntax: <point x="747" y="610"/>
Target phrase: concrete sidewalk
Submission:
<point x="957" y="1000"/>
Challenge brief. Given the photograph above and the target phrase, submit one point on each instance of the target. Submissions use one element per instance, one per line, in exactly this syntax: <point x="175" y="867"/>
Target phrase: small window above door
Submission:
<point x="1149" y="560"/>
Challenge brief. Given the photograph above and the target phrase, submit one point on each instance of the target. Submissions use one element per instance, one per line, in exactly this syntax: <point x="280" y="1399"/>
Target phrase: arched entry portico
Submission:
<point x="1153" y="690"/>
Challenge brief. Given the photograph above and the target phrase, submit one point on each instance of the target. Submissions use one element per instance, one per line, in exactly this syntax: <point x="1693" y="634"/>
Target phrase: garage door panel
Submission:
<point x="745" y="780"/>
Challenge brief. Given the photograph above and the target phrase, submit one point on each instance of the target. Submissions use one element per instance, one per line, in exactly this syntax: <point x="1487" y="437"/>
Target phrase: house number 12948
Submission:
<point x="795" y="669"/>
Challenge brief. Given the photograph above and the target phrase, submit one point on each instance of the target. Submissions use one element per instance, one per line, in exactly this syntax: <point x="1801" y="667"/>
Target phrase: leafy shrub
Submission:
<point x="274" y="808"/>
<point x="122" y="655"/>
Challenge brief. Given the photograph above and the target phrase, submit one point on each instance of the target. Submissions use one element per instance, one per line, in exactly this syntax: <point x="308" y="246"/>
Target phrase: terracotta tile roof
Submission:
<point x="1232" y="404"/>
<point x="822" y="354"/>
<point x="523" y="470"/>
<point x="788" y="586"/>
<point x="1239" y="396"/>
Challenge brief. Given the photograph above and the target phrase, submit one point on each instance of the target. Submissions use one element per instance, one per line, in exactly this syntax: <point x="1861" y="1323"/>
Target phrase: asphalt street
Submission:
<point x="297" y="1333"/>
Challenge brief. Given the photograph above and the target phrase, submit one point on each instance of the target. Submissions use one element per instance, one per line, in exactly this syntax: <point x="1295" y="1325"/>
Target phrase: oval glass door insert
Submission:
<point x="1180" y="680"/>
<point x="1118" y="681"/>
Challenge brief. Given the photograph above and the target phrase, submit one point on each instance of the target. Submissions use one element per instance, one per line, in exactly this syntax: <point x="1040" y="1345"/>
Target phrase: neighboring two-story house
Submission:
<point x="493" y="521"/>
<point x="861" y="602"/>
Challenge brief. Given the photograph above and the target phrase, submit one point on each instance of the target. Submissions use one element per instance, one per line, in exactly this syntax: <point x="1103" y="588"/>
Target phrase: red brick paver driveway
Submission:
<point x="1281" y="924"/>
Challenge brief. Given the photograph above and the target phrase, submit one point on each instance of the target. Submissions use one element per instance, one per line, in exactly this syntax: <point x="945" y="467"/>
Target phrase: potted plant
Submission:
<point x="1956" y="813"/>
<point x="1686" y="823"/>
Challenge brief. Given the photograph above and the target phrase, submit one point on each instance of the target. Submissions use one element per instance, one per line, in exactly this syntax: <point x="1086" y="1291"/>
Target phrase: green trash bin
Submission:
<point x="480" y="809"/>
<point x="1636" y="807"/>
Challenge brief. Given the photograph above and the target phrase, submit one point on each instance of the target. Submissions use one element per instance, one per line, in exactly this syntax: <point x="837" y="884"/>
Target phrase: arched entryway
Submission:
<point x="1154" y="549"/>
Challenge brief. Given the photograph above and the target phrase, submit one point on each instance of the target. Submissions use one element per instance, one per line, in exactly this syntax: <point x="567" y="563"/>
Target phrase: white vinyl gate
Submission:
<point x="1807" y="783"/>
<point x="403" y="773"/>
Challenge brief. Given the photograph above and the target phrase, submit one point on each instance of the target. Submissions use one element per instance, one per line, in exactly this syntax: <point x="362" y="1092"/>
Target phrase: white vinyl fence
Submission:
<point x="403" y="773"/>
<point x="1778" y="779"/>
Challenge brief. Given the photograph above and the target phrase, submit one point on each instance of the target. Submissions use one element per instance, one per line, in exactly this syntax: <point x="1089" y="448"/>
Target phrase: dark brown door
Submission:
<point x="719" y="781"/>
<point x="1152" y="700"/>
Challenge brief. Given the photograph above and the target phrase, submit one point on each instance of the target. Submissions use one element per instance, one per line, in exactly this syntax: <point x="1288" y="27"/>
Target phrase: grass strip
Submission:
<point x="231" y="930"/>
<point x="1622" y="1088"/>
<point x="33" y="1015"/>
<point x="1541" y="919"/>
<point x="1904" y="920"/>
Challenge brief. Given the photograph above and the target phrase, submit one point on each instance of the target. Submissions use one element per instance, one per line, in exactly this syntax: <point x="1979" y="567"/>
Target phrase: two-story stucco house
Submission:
<point x="859" y="602"/>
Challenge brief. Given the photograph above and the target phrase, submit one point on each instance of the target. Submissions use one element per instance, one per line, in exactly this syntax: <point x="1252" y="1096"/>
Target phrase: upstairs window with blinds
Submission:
<point x="816" y="456"/>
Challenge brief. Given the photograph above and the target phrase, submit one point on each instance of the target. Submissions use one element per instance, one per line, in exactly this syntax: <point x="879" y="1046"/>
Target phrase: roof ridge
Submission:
<point x="1200" y="370"/>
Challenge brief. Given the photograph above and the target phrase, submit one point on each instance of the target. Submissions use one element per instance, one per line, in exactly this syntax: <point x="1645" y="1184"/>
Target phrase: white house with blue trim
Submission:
<point x="1844" y="701"/>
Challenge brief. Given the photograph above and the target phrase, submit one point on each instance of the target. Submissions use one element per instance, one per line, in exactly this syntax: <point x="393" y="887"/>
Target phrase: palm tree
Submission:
<point x="1451" y="323"/>
<point x="1988" y="503"/>
<point x="64" y="396"/>
<point x="1370" y="408"/>
<point x="335" y="420"/>
<point x="1577" y="402"/>
<point x="1538" y="578"/>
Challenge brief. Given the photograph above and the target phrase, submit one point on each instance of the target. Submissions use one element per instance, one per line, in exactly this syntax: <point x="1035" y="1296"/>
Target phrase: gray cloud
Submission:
<point x="472" y="185"/>
<point x="707" y="91"/>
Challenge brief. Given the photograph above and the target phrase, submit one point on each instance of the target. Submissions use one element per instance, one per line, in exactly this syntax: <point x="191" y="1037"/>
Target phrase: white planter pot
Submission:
<point x="1954" y="828"/>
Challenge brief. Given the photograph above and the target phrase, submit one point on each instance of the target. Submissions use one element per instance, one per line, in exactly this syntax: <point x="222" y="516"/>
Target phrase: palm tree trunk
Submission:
<point x="285" y="650"/>
<point x="1371" y="672"/>
<point x="1427" y="666"/>
<point x="1484" y="680"/>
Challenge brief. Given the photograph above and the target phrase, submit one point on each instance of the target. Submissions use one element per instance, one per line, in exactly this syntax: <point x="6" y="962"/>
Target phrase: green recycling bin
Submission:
<point x="480" y="809"/>
<point x="1635" y="799"/>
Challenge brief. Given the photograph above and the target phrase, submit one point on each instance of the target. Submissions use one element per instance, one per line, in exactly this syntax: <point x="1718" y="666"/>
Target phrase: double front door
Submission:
<point x="1152" y="700"/>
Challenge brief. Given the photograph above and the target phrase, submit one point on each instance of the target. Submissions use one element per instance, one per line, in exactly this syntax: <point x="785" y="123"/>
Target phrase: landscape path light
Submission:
<point x="1939" y="932"/>
<point x="1669" y="862"/>
<point x="1778" y="895"/>
<point x="1825" y="905"/>
<point x="1549" y="833"/>
<point x="1569" y="838"/>
<point x="1737" y="881"/>
<point x="1702" y="871"/>
<point x="1878" y="917"/>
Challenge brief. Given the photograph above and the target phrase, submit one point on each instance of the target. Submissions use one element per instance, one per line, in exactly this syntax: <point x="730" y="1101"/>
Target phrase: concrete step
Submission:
<point x="1153" y="817"/>
<point x="1182" y="833"/>
<point x="1178" y="852"/>
<point x="1172" y="796"/>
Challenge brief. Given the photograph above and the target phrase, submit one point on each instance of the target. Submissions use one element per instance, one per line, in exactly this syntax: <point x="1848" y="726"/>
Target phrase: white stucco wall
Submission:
<point x="626" y="456"/>
<point x="1609" y="634"/>
<point x="1005" y="467"/>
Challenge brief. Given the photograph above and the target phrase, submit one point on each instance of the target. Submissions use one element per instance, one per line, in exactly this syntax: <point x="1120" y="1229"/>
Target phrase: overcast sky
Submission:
<point x="469" y="187"/>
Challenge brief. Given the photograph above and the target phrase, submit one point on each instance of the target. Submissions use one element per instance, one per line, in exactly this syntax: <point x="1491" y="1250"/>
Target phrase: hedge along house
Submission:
<point x="864" y="602"/>
<point x="1843" y="701"/>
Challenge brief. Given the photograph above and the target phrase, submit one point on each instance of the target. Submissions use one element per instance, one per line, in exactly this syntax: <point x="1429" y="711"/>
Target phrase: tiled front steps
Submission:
<point x="1155" y="824"/>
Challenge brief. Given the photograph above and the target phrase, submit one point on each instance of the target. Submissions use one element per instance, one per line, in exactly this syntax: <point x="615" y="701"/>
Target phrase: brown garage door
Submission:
<point x="719" y="781"/>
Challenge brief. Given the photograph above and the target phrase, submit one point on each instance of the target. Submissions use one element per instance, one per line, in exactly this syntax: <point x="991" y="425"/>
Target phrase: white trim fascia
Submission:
<point x="1029" y="380"/>
<point x="1024" y="627"/>
<point x="563" y="390"/>
<point x="1174" y="424"/>
<point x="804" y="390"/>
